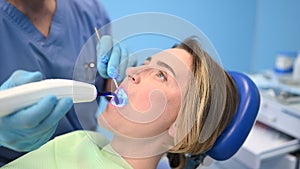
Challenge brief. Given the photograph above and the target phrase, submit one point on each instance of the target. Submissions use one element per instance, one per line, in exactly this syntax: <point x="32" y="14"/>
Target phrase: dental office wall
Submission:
<point x="246" y="34"/>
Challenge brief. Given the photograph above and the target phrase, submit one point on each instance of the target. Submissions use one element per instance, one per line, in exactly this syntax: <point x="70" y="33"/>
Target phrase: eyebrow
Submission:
<point x="149" y="59"/>
<point x="160" y="63"/>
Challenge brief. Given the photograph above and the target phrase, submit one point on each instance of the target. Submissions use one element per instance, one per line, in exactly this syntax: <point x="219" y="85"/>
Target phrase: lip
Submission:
<point x="122" y="96"/>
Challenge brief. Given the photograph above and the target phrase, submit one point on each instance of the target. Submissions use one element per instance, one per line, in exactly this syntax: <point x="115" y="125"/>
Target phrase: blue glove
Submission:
<point x="113" y="59"/>
<point x="31" y="127"/>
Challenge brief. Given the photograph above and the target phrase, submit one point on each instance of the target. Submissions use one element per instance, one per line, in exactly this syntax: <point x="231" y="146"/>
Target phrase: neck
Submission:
<point x="39" y="12"/>
<point x="144" y="163"/>
<point x="140" y="152"/>
<point x="31" y="5"/>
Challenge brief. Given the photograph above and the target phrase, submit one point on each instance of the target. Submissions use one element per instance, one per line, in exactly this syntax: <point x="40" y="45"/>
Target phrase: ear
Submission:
<point x="172" y="130"/>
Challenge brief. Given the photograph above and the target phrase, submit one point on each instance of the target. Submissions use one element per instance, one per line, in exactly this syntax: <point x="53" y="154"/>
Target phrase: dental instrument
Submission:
<point x="120" y="99"/>
<point x="22" y="96"/>
<point x="25" y="95"/>
<point x="99" y="37"/>
<point x="110" y="94"/>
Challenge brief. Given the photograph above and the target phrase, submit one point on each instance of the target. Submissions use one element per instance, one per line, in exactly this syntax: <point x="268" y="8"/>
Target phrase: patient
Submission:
<point x="179" y="101"/>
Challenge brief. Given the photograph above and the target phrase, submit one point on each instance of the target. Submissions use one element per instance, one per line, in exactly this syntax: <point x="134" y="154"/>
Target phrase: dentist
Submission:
<point x="41" y="39"/>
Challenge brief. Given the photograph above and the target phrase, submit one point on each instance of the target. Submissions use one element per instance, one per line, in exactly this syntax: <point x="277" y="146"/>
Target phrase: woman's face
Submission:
<point x="155" y="92"/>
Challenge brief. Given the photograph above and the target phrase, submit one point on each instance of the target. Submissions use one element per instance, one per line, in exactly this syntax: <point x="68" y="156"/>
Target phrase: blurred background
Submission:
<point x="247" y="34"/>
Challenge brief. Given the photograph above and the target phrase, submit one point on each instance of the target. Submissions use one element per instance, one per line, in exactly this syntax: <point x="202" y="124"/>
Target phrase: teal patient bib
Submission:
<point x="76" y="150"/>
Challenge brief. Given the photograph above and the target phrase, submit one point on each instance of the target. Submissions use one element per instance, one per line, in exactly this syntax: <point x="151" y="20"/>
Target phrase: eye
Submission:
<point x="162" y="75"/>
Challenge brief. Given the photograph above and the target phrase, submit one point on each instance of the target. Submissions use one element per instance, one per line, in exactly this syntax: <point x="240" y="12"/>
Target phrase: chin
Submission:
<point x="107" y="117"/>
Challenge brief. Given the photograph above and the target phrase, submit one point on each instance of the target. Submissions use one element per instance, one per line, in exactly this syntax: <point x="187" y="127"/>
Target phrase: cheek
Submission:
<point x="142" y="98"/>
<point x="156" y="120"/>
<point x="168" y="117"/>
<point x="173" y="105"/>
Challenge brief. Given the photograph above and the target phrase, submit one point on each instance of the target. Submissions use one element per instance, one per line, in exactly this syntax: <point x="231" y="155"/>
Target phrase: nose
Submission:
<point x="133" y="74"/>
<point x="133" y="79"/>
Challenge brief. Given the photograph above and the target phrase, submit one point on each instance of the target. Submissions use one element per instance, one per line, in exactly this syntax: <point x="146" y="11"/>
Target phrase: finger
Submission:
<point x="104" y="48"/>
<point x="60" y="110"/>
<point x="20" y="77"/>
<point x="114" y="62"/>
<point x="31" y="116"/>
<point x="47" y="127"/>
<point x="123" y="65"/>
<point x="42" y="138"/>
<point x="35" y="138"/>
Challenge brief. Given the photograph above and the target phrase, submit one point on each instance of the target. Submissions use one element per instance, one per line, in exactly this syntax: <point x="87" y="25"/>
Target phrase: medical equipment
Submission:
<point x="121" y="99"/>
<point x="284" y="62"/>
<point x="99" y="37"/>
<point x="25" y="95"/>
<point x="296" y="71"/>
<point x="15" y="98"/>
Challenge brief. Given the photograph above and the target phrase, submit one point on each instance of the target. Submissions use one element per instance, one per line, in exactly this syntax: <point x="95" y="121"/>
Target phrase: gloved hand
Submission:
<point x="113" y="59"/>
<point x="31" y="127"/>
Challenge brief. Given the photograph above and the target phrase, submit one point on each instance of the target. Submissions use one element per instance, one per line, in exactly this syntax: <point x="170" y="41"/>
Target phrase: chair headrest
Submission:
<point x="233" y="137"/>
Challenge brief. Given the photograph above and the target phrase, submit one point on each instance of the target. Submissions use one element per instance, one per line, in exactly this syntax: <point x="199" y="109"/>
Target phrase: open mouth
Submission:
<point x="122" y="99"/>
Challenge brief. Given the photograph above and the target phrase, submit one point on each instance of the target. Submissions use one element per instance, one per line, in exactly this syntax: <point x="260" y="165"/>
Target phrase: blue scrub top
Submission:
<point x="22" y="46"/>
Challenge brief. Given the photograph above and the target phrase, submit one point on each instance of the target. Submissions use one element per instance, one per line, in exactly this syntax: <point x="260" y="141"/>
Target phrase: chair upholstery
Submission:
<point x="237" y="131"/>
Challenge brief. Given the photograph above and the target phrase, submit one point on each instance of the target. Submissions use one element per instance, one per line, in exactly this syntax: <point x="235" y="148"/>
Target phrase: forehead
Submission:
<point x="178" y="60"/>
<point x="174" y="57"/>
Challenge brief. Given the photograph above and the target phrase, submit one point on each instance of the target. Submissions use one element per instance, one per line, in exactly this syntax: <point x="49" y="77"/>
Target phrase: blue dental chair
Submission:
<point x="233" y="137"/>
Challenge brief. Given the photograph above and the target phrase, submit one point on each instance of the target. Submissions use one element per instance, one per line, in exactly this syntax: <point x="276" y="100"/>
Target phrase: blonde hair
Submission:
<point x="198" y="101"/>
